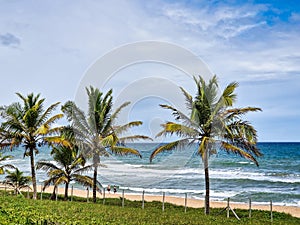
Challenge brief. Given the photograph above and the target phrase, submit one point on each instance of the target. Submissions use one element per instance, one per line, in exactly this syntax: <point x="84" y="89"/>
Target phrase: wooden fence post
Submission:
<point x="72" y="189"/>
<point x="271" y="210"/>
<point x="143" y="200"/>
<point x="56" y="193"/>
<point x="87" y="194"/>
<point x="228" y="208"/>
<point x="123" y="200"/>
<point x="250" y="209"/>
<point x="163" y="202"/>
<point x="185" y="202"/>
<point x="103" y="196"/>
<point x="28" y="192"/>
<point x="41" y="192"/>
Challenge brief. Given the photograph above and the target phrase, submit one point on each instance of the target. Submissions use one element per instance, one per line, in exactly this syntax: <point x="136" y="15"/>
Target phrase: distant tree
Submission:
<point x="96" y="133"/>
<point x="212" y="124"/>
<point x="26" y="124"/>
<point x="68" y="166"/>
<point x="17" y="181"/>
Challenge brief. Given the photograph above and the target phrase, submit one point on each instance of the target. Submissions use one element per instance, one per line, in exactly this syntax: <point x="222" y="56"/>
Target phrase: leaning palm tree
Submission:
<point x="4" y="166"/>
<point x="212" y="124"/>
<point x="68" y="166"/>
<point x="17" y="181"/>
<point x="27" y="124"/>
<point x="96" y="133"/>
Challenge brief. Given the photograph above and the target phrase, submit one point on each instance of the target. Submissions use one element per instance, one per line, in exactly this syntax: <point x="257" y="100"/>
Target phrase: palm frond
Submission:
<point x="180" y="116"/>
<point x="133" y="138"/>
<point x="228" y="95"/>
<point x="86" y="181"/>
<point x="188" y="99"/>
<point x="60" y="180"/>
<point x="47" y="113"/>
<point x="121" y="129"/>
<point x="178" y="129"/>
<point x="109" y="140"/>
<point x="118" y="110"/>
<point x="121" y="150"/>
<point x="169" y="147"/>
<point x="46" y="166"/>
<point x="236" y="150"/>
<point x="58" y="140"/>
<point x="235" y="113"/>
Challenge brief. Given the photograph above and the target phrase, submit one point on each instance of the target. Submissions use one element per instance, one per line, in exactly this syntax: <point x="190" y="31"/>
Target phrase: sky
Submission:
<point x="47" y="47"/>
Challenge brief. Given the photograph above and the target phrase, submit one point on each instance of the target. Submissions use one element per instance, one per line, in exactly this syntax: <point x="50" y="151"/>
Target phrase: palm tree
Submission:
<point x="68" y="166"/>
<point x="27" y="124"/>
<point x="212" y="124"/>
<point x="2" y="167"/>
<point x="17" y="181"/>
<point x="96" y="133"/>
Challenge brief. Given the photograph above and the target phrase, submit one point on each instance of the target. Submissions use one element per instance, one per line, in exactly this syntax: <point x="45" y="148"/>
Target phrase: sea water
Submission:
<point x="181" y="172"/>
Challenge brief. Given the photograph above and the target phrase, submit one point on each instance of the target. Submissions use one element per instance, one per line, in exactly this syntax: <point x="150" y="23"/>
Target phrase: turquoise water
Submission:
<point x="277" y="178"/>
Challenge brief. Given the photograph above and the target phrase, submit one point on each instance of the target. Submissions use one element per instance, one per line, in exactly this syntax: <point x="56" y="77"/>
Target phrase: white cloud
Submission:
<point x="59" y="40"/>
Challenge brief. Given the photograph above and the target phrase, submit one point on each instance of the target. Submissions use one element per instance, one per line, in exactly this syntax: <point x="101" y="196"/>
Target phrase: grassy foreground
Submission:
<point x="19" y="210"/>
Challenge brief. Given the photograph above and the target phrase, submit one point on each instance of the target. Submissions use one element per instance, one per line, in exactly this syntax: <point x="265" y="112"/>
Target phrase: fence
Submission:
<point x="163" y="200"/>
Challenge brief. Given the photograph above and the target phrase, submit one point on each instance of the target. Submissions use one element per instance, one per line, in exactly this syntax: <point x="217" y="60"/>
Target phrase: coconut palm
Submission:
<point x="68" y="166"/>
<point x="26" y="124"/>
<point x="17" y="181"/>
<point x="4" y="166"/>
<point x="213" y="125"/>
<point x="96" y="133"/>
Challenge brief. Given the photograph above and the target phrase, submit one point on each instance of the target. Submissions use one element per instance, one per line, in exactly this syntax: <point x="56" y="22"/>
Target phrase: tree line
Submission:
<point x="211" y="124"/>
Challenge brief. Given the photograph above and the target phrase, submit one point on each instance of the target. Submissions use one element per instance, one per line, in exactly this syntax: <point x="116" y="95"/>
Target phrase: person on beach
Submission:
<point x="115" y="189"/>
<point x="108" y="188"/>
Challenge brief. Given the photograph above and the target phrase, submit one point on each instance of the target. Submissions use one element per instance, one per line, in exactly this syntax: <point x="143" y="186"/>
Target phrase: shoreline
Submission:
<point x="193" y="203"/>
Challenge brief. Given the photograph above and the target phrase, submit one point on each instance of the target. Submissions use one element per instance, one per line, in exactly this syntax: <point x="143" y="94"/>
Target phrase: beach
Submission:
<point x="194" y="203"/>
<point x="176" y="174"/>
<point x="277" y="178"/>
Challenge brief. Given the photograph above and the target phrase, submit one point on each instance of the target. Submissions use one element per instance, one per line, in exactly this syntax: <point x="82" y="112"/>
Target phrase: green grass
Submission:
<point x="19" y="210"/>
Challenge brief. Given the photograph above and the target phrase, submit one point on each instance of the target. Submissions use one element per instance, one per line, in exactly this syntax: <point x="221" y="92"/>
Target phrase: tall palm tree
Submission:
<point x="68" y="166"/>
<point x="96" y="133"/>
<point x="26" y="124"/>
<point x="212" y="124"/>
<point x="17" y="181"/>
<point x="4" y="166"/>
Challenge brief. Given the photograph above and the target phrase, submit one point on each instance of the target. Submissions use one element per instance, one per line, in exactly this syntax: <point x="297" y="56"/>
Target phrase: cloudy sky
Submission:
<point x="48" y="46"/>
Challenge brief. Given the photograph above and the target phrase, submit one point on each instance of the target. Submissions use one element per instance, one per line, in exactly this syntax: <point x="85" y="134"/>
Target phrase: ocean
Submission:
<point x="181" y="172"/>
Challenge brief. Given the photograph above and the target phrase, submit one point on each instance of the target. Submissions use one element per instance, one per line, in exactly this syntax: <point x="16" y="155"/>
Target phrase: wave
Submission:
<point x="239" y="174"/>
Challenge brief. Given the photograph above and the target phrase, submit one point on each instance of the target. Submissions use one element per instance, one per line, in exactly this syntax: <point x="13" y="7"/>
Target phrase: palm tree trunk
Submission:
<point x="33" y="176"/>
<point x="95" y="182"/>
<point x="206" y="172"/>
<point x="53" y="195"/>
<point x="66" y="191"/>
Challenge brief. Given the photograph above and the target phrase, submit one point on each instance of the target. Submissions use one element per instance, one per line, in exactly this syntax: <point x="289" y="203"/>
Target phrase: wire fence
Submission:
<point x="28" y="194"/>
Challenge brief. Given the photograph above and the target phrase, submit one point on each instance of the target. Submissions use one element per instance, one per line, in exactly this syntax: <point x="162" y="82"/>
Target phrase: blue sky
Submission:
<point x="47" y="46"/>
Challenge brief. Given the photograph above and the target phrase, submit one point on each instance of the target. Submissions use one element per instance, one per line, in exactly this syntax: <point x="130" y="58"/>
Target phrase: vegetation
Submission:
<point x="96" y="133"/>
<point x="26" y="124"/>
<point x="69" y="167"/>
<point x="14" y="210"/>
<point x="213" y="124"/>
<point x="4" y="166"/>
<point x="17" y="181"/>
